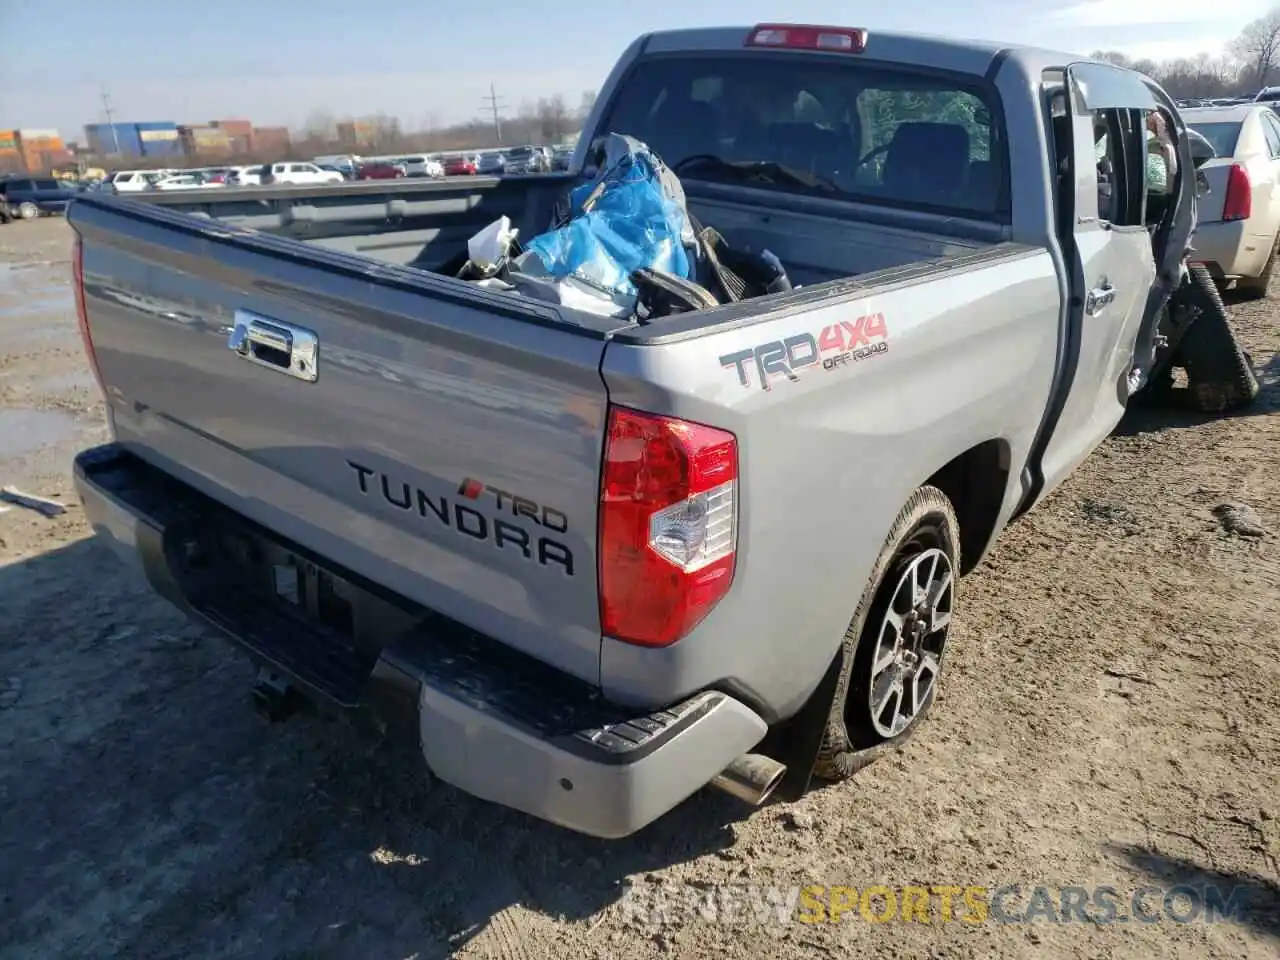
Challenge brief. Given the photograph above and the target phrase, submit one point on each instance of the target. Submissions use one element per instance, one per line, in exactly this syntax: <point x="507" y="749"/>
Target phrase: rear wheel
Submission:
<point x="896" y="643"/>
<point x="1219" y="375"/>
<point x="28" y="210"/>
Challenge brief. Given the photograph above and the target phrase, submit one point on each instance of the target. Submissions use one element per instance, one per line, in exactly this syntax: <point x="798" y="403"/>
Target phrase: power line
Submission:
<point x="495" y="106"/>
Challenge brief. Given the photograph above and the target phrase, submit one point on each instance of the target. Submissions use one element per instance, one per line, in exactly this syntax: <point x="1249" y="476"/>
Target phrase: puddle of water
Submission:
<point x="26" y="431"/>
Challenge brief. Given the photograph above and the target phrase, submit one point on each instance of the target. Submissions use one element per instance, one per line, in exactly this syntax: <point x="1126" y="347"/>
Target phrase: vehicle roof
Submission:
<point x="1235" y="113"/>
<point x="966" y="56"/>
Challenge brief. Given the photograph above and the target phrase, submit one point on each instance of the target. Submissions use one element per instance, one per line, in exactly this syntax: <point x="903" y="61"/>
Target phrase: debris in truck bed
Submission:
<point x="623" y="245"/>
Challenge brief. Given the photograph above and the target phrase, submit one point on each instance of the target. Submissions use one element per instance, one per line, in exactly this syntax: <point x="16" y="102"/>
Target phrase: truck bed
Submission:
<point x="426" y="225"/>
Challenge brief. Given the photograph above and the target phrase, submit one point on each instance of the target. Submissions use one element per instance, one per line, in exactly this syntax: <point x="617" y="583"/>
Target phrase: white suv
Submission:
<point x="134" y="181"/>
<point x="421" y="166"/>
<point x="299" y="174"/>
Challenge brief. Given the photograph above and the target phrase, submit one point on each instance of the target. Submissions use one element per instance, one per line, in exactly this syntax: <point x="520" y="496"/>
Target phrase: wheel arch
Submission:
<point x="976" y="482"/>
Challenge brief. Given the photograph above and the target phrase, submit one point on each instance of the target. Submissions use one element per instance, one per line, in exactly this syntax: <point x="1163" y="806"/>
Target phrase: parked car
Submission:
<point x="134" y="181"/>
<point x="26" y="198"/>
<point x="189" y="181"/>
<point x="491" y="163"/>
<point x="626" y="559"/>
<point x="419" y="165"/>
<point x="380" y="170"/>
<point x="461" y="166"/>
<point x="298" y="174"/>
<point x="521" y="160"/>
<point x="347" y="173"/>
<point x="1238" y="231"/>
<point x="250" y="176"/>
<point x="561" y="157"/>
<point x="344" y="163"/>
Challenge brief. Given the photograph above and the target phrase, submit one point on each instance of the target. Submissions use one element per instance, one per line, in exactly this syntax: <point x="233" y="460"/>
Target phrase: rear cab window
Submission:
<point x="871" y="133"/>
<point x="1223" y="135"/>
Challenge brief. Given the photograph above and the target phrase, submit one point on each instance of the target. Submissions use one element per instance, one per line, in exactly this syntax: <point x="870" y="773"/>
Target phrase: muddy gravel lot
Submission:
<point x="1111" y="718"/>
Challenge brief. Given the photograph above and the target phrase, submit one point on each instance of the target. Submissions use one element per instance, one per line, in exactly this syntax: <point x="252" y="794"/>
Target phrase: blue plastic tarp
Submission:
<point x="631" y="214"/>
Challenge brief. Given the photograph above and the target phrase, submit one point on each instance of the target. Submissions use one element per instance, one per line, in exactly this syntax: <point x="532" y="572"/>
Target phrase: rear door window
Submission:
<point x="886" y="136"/>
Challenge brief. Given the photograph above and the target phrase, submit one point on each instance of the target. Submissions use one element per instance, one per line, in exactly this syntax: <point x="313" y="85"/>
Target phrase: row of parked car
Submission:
<point x="340" y="168"/>
<point x="23" y="197"/>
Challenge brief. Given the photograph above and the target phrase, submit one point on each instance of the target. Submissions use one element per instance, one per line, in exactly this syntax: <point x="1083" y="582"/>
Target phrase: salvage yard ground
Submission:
<point x="1111" y="717"/>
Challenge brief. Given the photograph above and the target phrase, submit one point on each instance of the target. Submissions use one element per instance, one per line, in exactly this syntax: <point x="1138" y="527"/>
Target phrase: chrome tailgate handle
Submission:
<point x="1099" y="298"/>
<point x="282" y="347"/>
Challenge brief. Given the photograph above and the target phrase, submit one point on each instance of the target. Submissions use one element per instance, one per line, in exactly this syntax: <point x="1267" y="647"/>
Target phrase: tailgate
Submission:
<point x="442" y="444"/>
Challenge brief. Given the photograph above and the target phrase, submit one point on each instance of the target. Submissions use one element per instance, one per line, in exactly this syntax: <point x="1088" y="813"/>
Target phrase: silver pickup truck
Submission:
<point x="602" y="563"/>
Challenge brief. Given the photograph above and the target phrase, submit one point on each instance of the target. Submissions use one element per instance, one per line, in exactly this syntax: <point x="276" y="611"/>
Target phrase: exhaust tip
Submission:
<point x="751" y="778"/>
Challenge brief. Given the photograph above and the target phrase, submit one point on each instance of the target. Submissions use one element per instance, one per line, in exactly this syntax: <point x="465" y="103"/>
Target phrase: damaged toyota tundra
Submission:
<point x="660" y="473"/>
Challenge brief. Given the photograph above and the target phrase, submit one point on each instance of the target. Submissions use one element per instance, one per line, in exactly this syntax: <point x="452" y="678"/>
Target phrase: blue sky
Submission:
<point x="282" y="61"/>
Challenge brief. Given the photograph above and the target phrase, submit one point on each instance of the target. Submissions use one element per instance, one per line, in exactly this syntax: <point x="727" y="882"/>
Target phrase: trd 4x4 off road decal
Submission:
<point x="836" y="346"/>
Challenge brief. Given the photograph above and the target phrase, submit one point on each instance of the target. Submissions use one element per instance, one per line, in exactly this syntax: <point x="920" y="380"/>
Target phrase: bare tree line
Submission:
<point x="544" y="121"/>
<point x="1251" y="61"/>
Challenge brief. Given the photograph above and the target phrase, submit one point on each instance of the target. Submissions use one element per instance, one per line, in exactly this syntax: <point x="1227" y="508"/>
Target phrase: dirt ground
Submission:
<point x="1111" y="717"/>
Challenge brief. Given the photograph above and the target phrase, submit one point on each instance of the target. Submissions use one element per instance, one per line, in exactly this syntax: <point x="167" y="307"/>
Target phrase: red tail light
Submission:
<point x="82" y="315"/>
<point x="796" y="36"/>
<point x="668" y="525"/>
<point x="1238" y="203"/>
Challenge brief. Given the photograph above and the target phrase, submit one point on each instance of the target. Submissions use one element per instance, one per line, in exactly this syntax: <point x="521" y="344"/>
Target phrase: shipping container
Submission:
<point x="234" y="128"/>
<point x="157" y="125"/>
<point x="8" y="140"/>
<point x="202" y="139"/>
<point x="271" y="139"/>
<point x="165" y="147"/>
<point x="43" y="161"/>
<point x="113" y="139"/>
<point x="156" y="136"/>
<point x="40" y="140"/>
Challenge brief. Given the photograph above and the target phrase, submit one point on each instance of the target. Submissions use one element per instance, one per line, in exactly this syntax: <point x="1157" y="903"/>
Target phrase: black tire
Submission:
<point x="1219" y="375"/>
<point x="1255" y="288"/>
<point x="855" y="734"/>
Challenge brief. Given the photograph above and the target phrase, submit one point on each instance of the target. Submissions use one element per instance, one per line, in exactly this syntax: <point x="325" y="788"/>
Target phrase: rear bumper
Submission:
<point x="491" y="721"/>
<point x="1230" y="250"/>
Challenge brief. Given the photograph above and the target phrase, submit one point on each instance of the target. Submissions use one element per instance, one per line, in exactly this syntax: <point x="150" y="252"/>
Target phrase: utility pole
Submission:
<point x="106" y="108"/>
<point x="496" y="105"/>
